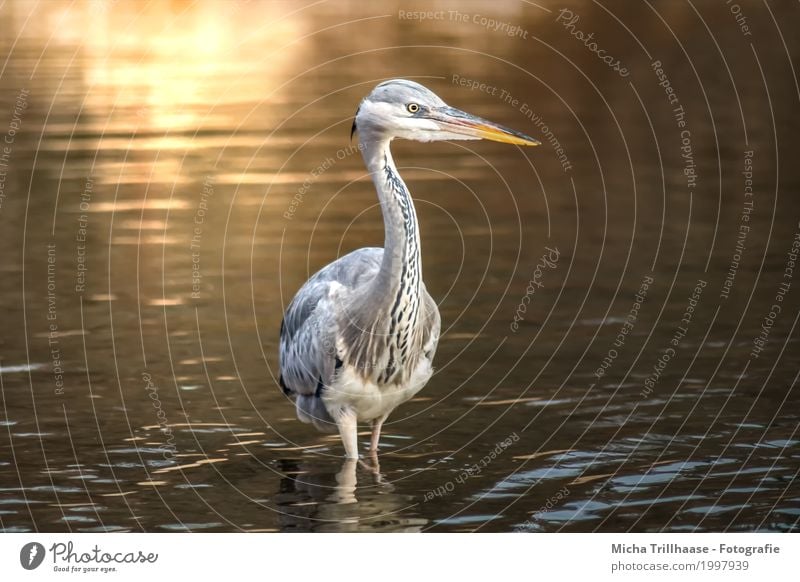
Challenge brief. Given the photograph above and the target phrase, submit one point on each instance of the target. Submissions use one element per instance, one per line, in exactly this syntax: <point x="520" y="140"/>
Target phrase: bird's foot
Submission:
<point x="345" y="490"/>
<point x="374" y="468"/>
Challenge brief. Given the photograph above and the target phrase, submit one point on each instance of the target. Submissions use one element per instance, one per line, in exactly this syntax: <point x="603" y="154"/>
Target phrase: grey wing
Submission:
<point x="433" y="323"/>
<point x="308" y="331"/>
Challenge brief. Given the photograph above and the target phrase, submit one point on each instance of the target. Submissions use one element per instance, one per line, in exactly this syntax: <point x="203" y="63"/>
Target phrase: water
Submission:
<point x="180" y="169"/>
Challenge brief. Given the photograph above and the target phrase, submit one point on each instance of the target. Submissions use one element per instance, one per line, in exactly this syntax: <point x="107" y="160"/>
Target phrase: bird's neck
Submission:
<point x="401" y="270"/>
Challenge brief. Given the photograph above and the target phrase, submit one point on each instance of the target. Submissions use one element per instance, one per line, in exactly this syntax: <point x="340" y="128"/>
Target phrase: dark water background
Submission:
<point x="187" y="130"/>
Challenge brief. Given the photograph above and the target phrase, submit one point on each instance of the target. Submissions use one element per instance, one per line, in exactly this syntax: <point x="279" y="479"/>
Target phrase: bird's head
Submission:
<point x="405" y="109"/>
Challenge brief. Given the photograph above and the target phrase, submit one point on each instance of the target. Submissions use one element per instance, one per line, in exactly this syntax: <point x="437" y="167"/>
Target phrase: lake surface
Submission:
<point x="619" y="345"/>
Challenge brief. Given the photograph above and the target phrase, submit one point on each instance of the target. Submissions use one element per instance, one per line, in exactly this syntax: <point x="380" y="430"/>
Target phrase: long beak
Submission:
<point x="463" y="123"/>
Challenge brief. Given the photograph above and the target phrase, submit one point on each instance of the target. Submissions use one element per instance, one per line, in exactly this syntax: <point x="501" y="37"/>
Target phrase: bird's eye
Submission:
<point x="412" y="107"/>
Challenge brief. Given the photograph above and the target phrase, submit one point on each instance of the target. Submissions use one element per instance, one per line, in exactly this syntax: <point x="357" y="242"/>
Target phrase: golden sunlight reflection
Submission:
<point x="151" y="77"/>
<point x="175" y="63"/>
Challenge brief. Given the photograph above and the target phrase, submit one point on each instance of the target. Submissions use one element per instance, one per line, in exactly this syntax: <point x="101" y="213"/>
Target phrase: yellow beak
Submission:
<point x="463" y="123"/>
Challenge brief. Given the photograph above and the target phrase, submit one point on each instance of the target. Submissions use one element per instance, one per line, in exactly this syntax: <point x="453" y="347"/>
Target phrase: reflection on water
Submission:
<point x="161" y="202"/>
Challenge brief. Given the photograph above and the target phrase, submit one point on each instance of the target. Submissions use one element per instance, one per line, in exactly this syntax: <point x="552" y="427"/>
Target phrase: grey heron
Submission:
<point x="359" y="337"/>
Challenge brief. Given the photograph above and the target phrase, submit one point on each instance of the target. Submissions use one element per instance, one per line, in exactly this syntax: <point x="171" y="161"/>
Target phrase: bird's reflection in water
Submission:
<point x="322" y="495"/>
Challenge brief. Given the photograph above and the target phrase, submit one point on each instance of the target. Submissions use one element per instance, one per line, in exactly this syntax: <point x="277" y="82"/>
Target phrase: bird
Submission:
<point x="359" y="337"/>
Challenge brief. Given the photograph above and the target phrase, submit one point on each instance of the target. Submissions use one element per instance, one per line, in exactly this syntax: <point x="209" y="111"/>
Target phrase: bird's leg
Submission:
<point x="373" y="466"/>
<point x="348" y="430"/>
<point x="376" y="433"/>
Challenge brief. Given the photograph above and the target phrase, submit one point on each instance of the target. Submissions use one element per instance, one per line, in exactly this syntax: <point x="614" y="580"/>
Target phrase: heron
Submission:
<point x="360" y="335"/>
